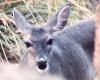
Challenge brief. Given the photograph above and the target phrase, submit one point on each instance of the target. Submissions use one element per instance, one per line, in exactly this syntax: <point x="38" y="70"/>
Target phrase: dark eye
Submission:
<point x="28" y="44"/>
<point x="50" y="41"/>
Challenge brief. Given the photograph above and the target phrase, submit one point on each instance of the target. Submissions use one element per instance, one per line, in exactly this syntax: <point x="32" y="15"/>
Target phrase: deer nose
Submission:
<point x="42" y="64"/>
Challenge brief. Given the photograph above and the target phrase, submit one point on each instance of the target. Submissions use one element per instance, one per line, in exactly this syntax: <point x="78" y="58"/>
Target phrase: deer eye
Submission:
<point x="50" y="41"/>
<point x="28" y="44"/>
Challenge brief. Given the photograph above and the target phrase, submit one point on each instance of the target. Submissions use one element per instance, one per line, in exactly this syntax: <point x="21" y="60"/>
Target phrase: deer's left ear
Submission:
<point x="59" y="19"/>
<point x="63" y="16"/>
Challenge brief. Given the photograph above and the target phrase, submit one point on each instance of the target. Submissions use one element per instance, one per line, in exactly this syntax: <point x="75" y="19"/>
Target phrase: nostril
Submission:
<point x="42" y="64"/>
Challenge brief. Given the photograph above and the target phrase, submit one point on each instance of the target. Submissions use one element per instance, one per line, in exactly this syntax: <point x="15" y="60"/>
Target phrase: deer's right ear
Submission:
<point x="21" y="23"/>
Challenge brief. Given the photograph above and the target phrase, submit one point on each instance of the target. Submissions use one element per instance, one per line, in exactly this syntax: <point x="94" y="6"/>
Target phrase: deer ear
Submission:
<point x="63" y="16"/>
<point x="59" y="19"/>
<point x="21" y="23"/>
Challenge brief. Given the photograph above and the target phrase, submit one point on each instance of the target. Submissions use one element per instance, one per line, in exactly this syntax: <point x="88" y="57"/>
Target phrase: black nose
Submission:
<point x="42" y="64"/>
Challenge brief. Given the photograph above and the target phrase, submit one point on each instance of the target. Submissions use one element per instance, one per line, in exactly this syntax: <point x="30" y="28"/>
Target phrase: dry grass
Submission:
<point x="14" y="72"/>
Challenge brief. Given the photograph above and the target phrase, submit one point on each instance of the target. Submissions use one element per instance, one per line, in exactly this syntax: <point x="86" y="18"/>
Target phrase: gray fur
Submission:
<point x="70" y="54"/>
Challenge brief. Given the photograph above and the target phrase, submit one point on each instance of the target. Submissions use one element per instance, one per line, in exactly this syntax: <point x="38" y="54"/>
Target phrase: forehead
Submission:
<point x="38" y="34"/>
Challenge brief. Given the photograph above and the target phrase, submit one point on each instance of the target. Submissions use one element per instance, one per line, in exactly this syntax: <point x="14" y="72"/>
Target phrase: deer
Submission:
<point x="57" y="48"/>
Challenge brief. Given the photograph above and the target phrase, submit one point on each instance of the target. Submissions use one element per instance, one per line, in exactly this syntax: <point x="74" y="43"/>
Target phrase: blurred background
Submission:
<point x="36" y="12"/>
